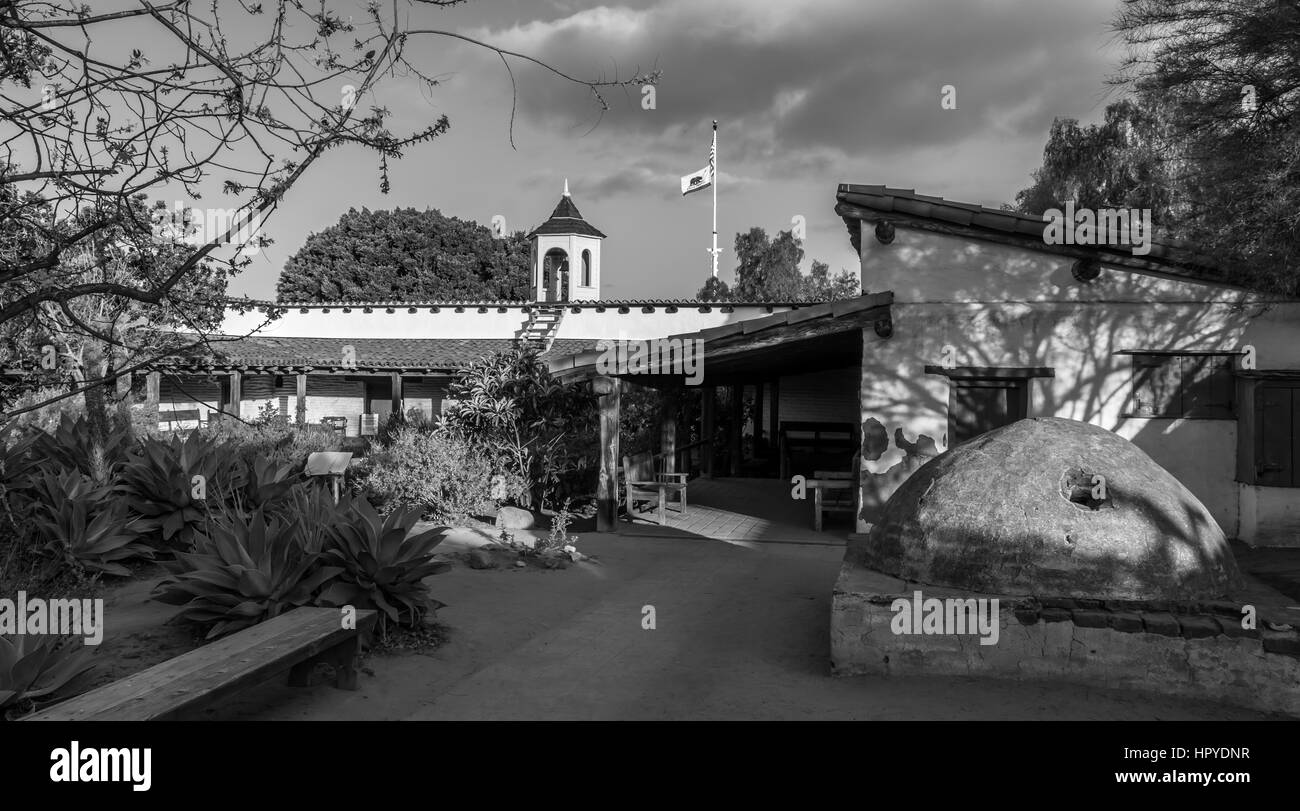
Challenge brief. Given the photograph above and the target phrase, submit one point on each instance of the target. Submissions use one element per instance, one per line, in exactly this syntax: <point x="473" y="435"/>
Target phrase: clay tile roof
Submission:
<point x="870" y="202"/>
<point x="438" y="354"/>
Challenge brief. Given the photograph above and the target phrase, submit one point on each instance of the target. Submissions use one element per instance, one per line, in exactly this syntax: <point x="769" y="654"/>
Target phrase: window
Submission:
<point x="1191" y="385"/>
<point x="586" y="268"/>
<point x="1268" y="433"/>
<point x="983" y="398"/>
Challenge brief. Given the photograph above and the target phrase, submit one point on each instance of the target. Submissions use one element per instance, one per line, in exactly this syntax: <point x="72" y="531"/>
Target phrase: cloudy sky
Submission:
<point x="808" y="94"/>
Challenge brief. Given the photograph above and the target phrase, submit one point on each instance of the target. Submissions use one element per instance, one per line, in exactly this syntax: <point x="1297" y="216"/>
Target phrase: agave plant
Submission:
<point x="242" y="572"/>
<point x="35" y="667"/>
<point x="83" y="525"/>
<point x="160" y="485"/>
<point x="72" y="445"/>
<point x="265" y="484"/>
<point x="383" y="565"/>
<point x="18" y="457"/>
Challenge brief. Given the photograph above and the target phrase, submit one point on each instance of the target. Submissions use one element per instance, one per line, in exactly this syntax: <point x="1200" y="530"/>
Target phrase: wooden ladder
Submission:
<point x="540" y="328"/>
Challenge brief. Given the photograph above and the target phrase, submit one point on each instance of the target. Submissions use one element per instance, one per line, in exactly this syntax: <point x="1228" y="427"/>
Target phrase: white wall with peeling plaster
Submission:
<point x="998" y="305"/>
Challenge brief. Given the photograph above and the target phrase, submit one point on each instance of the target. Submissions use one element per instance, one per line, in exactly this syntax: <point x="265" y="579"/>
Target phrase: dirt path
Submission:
<point x="741" y="633"/>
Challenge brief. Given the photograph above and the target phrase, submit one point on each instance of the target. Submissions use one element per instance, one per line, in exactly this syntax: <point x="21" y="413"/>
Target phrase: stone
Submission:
<point x="514" y="518"/>
<point x="1088" y="618"/>
<point x="1281" y="642"/>
<point x="1060" y="602"/>
<point x="1163" y="624"/>
<point x="481" y="559"/>
<point x="1013" y="512"/>
<point x="1231" y="626"/>
<point x="519" y="564"/>
<point x="1027" y="615"/>
<point x="1199" y="627"/>
<point x="1128" y="622"/>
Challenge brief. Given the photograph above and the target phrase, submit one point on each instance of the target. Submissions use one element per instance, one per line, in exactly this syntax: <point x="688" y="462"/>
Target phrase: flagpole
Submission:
<point x="714" y="252"/>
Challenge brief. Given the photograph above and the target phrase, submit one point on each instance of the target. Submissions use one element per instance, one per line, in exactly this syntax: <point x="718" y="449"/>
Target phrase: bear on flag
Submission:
<point x="703" y="178"/>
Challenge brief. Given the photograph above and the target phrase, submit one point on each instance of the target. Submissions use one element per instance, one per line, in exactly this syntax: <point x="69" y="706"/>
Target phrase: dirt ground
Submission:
<point x="740" y="633"/>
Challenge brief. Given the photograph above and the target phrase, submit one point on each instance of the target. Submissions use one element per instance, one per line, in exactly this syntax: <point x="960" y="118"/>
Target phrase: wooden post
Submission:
<point x="668" y="429"/>
<point x="736" y="429"/>
<point x="688" y="419"/>
<point x="236" y="386"/>
<point x="300" y="409"/>
<point x="758" y="418"/>
<point x="708" y="398"/>
<point x="774" y="423"/>
<point x="153" y="389"/>
<point x="607" y="489"/>
<point x="397" y="394"/>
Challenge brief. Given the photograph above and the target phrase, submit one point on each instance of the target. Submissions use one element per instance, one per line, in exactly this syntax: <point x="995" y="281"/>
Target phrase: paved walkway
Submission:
<point x="741" y="632"/>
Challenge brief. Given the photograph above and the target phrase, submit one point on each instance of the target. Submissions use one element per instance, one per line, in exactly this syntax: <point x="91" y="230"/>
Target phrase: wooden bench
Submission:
<point x="179" y="415"/>
<point x="644" y="484"/>
<point x="832" y="493"/>
<point x="295" y="641"/>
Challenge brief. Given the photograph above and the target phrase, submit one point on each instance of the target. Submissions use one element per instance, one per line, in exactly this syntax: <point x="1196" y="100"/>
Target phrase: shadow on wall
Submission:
<point x="1027" y="310"/>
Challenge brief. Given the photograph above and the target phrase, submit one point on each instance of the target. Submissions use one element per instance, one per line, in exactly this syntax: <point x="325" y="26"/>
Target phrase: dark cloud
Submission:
<point x="826" y="76"/>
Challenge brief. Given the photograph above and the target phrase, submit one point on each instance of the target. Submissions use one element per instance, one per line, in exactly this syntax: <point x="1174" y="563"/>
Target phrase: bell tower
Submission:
<point x="566" y="256"/>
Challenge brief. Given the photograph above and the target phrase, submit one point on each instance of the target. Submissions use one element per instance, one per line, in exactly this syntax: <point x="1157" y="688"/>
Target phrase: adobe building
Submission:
<point x="968" y="320"/>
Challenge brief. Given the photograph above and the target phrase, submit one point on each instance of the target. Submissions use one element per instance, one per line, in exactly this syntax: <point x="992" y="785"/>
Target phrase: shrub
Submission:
<point x="243" y="571"/>
<point x="383" y="565"/>
<point x="81" y="524"/>
<point x="273" y="440"/>
<point x="510" y="406"/>
<point x="445" y="477"/>
<point x="35" y="667"/>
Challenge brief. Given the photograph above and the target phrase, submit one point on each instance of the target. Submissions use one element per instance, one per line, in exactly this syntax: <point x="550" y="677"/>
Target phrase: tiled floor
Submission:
<point x="741" y="510"/>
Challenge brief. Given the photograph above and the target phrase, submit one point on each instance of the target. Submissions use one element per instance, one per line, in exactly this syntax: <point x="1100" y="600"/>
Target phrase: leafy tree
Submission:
<point x="1209" y="139"/>
<point x="1119" y="163"/>
<point x="820" y="285"/>
<point x="714" y="289"/>
<point x="155" y="98"/>
<point x="1230" y="75"/>
<point x="769" y="271"/>
<point x="406" y="254"/>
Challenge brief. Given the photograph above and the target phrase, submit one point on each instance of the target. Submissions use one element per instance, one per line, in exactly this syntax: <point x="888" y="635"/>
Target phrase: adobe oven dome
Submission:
<point x="1013" y="512"/>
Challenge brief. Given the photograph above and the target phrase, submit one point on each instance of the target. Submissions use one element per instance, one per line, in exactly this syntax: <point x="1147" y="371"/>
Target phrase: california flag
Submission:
<point x="701" y="179"/>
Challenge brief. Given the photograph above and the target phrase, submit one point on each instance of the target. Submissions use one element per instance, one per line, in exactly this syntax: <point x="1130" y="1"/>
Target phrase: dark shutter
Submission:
<point x="1207" y="385"/>
<point x="1275" y="440"/>
<point x="978" y="406"/>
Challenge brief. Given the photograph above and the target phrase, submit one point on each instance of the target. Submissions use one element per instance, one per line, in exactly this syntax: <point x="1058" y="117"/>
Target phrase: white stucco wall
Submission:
<point x="587" y="323"/>
<point x="997" y="305"/>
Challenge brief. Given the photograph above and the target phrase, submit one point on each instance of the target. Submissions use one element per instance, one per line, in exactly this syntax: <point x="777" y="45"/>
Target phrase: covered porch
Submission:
<point x="777" y="402"/>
